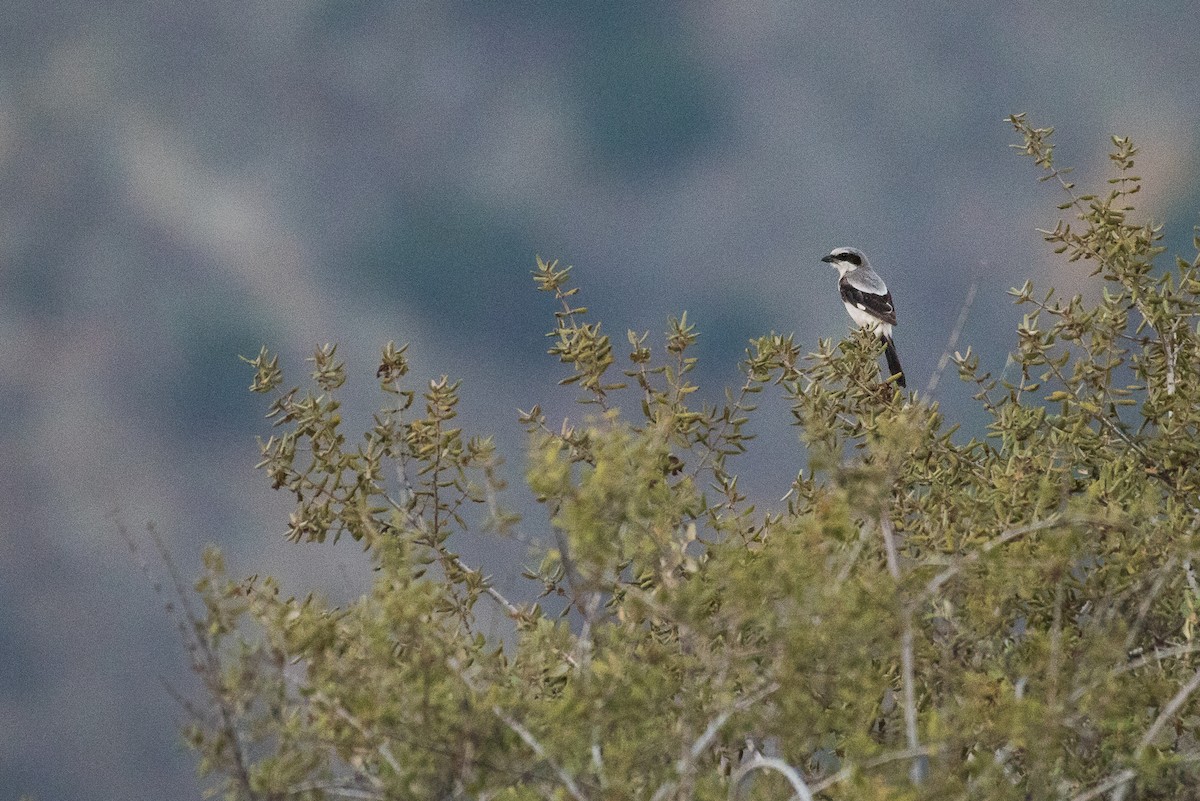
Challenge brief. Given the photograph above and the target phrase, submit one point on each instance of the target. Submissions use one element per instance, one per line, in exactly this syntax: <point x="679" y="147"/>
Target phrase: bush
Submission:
<point x="928" y="616"/>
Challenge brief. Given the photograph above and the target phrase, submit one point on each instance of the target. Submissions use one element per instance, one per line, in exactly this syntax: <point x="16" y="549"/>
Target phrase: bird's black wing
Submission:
<point x="872" y="303"/>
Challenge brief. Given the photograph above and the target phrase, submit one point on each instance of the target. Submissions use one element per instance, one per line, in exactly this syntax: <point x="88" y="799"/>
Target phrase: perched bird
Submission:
<point x="867" y="300"/>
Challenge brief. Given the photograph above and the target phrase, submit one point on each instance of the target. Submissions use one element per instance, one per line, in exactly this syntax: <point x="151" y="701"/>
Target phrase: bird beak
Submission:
<point x="827" y="259"/>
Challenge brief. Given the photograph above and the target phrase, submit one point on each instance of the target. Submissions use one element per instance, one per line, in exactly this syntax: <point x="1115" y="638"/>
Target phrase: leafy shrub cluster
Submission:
<point x="927" y="616"/>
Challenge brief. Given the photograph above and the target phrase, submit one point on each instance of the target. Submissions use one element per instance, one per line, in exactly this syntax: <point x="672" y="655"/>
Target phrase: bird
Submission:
<point x="867" y="300"/>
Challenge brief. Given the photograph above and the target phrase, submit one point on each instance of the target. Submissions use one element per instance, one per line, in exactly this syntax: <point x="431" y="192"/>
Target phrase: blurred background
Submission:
<point x="182" y="182"/>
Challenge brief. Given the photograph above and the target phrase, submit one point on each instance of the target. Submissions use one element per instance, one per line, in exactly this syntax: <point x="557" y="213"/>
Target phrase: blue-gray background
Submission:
<point x="181" y="182"/>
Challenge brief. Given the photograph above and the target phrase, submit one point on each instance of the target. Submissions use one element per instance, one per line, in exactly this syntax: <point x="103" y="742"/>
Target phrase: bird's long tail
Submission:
<point x="893" y="360"/>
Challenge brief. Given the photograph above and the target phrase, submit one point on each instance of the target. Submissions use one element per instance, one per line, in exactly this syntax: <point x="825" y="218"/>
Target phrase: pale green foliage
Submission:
<point x="928" y="616"/>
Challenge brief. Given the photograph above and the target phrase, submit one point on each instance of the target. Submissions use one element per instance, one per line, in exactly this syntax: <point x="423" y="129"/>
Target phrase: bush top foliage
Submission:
<point x="927" y="616"/>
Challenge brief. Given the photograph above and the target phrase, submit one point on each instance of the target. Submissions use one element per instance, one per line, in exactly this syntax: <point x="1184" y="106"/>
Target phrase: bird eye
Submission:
<point x="852" y="258"/>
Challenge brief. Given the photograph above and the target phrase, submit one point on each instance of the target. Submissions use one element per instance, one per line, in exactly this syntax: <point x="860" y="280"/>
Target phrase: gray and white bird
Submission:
<point x="867" y="300"/>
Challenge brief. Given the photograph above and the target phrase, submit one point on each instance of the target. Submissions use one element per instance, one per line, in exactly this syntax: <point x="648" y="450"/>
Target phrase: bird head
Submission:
<point x="846" y="259"/>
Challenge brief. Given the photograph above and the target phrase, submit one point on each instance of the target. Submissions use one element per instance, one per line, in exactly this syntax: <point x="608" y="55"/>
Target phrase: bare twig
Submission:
<point x="206" y="662"/>
<point x="759" y="762"/>
<point x="588" y="606"/>
<point x="565" y="778"/>
<point x="184" y="703"/>
<point x="918" y="770"/>
<point x="716" y="724"/>
<point x="1124" y="437"/>
<point x="663" y="791"/>
<point x="1139" y="663"/>
<point x="955" y="333"/>
<point x="855" y="551"/>
<point x="1167" y="339"/>
<point x="687" y="762"/>
<point x="848" y="771"/>
<point x="937" y="581"/>
<point x="383" y="748"/>
<point x="907" y="668"/>
<point x="598" y="762"/>
<point x="1056" y="629"/>
<point x="338" y="790"/>
<point x="889" y="546"/>
<point x="495" y="595"/>
<point x="1119" y="782"/>
<point x="1116" y="780"/>
<point x="1148" y="601"/>
<point x="1167" y="713"/>
<point x="583" y="645"/>
<point x="1157" y="656"/>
